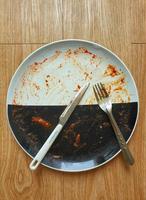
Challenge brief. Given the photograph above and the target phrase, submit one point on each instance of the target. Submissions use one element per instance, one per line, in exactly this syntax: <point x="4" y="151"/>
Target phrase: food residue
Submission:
<point x="118" y="88"/>
<point x="94" y="56"/>
<point x="68" y="53"/>
<point x="45" y="77"/>
<point x="42" y="122"/>
<point x="46" y="82"/>
<point x="60" y="66"/>
<point x="120" y="81"/>
<point x="55" y="56"/>
<point x="45" y="59"/>
<point x="77" y="140"/>
<point x="88" y="52"/>
<point x="41" y="62"/>
<point x="14" y="101"/>
<point x="77" y="88"/>
<point x="57" y="156"/>
<point x="108" y="88"/>
<point x="111" y="71"/>
<point x="78" y="137"/>
<point x="15" y="98"/>
<point x="87" y="76"/>
<point x="36" y="65"/>
<point x="37" y="87"/>
<point x="71" y="128"/>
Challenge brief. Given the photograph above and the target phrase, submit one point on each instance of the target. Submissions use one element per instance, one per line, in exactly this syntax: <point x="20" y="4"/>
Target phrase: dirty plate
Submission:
<point x="44" y="84"/>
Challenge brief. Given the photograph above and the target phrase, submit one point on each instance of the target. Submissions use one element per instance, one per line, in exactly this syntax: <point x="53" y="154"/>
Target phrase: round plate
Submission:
<point x="43" y="86"/>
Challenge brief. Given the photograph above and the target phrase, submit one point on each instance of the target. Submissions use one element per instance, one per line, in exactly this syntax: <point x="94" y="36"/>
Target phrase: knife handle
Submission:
<point x="44" y="149"/>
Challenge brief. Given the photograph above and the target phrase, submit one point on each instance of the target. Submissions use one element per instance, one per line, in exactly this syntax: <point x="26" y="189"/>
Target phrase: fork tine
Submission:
<point x="96" y="93"/>
<point x="101" y="90"/>
<point x="104" y="90"/>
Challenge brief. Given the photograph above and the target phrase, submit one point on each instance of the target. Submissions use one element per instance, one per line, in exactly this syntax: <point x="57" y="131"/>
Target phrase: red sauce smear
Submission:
<point x="45" y="60"/>
<point x="41" y="62"/>
<point x="122" y="80"/>
<point x="41" y="122"/>
<point x="77" y="88"/>
<point x="14" y="101"/>
<point x="77" y="140"/>
<point x="94" y="56"/>
<point x="88" y="52"/>
<point x="111" y="71"/>
<point x="118" y="88"/>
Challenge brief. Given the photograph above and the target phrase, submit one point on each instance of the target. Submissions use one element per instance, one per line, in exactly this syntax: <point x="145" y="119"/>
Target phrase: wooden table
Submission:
<point x="27" y="25"/>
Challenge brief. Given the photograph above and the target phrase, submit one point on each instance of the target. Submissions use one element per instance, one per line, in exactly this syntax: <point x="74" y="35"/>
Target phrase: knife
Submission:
<point x="62" y="120"/>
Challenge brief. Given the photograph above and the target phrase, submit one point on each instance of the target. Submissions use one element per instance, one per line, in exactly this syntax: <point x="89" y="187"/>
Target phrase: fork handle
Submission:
<point x="124" y="147"/>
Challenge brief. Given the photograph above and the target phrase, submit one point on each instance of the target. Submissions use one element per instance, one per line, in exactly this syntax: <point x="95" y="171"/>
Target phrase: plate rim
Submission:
<point x="72" y="40"/>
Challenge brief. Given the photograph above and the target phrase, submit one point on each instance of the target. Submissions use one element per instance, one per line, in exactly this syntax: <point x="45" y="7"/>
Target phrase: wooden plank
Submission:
<point x="113" y="23"/>
<point x="30" y="21"/>
<point x="107" y="22"/>
<point x="138" y="21"/>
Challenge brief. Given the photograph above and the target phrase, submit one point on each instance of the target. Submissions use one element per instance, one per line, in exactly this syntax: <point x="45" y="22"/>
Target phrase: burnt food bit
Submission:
<point x="42" y="122"/>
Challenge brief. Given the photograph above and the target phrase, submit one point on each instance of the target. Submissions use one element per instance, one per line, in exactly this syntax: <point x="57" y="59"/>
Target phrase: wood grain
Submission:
<point x="25" y="26"/>
<point x="30" y="21"/>
<point x="111" y="23"/>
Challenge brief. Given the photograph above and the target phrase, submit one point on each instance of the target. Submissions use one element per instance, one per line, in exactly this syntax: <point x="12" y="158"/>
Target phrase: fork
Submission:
<point x="105" y="104"/>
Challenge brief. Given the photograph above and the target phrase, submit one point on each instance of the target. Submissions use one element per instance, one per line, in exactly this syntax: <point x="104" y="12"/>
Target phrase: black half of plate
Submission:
<point x="86" y="141"/>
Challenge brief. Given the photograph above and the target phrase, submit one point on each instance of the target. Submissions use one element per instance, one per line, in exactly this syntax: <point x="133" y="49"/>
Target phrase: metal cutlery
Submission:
<point x="105" y="104"/>
<point x="62" y="120"/>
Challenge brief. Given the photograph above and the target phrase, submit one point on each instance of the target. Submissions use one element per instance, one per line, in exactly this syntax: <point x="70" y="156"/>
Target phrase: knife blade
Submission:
<point x="62" y="120"/>
<point x="71" y="106"/>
